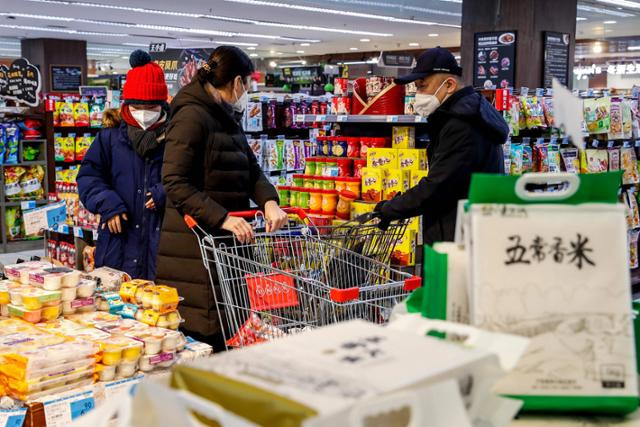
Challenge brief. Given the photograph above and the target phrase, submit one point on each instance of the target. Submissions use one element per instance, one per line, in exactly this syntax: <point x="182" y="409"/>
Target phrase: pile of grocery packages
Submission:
<point x="347" y="176"/>
<point x="61" y="329"/>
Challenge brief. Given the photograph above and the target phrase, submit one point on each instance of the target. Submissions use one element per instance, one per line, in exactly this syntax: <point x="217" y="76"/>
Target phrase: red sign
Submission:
<point x="271" y="291"/>
<point x="503" y="100"/>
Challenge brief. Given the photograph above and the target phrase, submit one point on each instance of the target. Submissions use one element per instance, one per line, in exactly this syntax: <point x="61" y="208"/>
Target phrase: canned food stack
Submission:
<point x="34" y="363"/>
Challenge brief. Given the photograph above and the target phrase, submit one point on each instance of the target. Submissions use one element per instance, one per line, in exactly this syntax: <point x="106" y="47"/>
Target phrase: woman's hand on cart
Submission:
<point x="240" y="228"/>
<point x="275" y="217"/>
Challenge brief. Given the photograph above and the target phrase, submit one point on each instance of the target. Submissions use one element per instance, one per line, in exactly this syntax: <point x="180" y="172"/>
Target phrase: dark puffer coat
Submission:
<point x="209" y="170"/>
<point x="114" y="179"/>
<point x="466" y="135"/>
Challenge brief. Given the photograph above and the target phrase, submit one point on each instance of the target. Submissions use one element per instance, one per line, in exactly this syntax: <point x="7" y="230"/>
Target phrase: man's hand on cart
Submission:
<point x="240" y="228"/>
<point x="275" y="217"/>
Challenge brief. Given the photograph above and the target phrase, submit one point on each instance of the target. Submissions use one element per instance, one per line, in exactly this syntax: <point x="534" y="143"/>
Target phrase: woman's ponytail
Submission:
<point x="224" y="64"/>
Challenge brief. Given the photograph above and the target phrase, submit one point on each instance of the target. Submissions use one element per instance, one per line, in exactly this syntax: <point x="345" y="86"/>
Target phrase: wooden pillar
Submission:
<point x="530" y="18"/>
<point x="43" y="53"/>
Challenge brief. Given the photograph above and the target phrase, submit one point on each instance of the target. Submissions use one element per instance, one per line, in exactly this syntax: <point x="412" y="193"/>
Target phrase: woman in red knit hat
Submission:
<point x="119" y="178"/>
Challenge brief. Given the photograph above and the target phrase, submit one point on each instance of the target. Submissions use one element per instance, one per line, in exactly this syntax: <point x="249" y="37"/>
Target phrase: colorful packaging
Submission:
<point x="533" y="111"/>
<point x="570" y="159"/>
<point x="596" y="115"/>
<point x="275" y="154"/>
<point x="555" y="162"/>
<point x="257" y="148"/>
<point x="633" y="248"/>
<point x="12" y="177"/>
<point x="81" y="113"/>
<point x="372" y="184"/>
<point x="424" y="159"/>
<point x="14" y="225"/>
<point x="95" y="113"/>
<point x="409" y="159"/>
<point x="382" y="158"/>
<point x="69" y="148"/>
<point x="541" y="157"/>
<point x="289" y="155"/>
<point x="403" y="137"/>
<point x="516" y="159"/>
<point x="361" y="208"/>
<point x="66" y="114"/>
<point x="31" y="183"/>
<point x="11" y="143"/>
<point x="353" y="147"/>
<point x="82" y="145"/>
<point x="597" y="161"/>
<point x="394" y="180"/>
<point x="627" y="119"/>
<point x="409" y="105"/>
<point x="415" y="176"/>
<point x="614" y="159"/>
<point x="358" y="165"/>
<point x="628" y="163"/>
<point x="633" y="216"/>
<point x="339" y="146"/>
<point x="405" y="250"/>
<point x="615" y="114"/>
<point x="527" y="158"/>
<point x="547" y="105"/>
<point x="57" y="147"/>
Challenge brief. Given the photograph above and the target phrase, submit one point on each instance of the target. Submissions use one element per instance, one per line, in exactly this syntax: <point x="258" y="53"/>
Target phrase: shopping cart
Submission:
<point x="291" y="280"/>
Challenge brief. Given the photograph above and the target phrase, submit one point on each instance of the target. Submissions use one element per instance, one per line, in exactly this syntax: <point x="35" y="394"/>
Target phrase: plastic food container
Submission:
<point x="353" y="185"/>
<point x="164" y="299"/>
<point x="20" y="272"/>
<point x="31" y="316"/>
<point x="126" y="369"/>
<point x="86" y="288"/>
<point x="4" y="310"/>
<point x="329" y="202"/>
<point x="34" y="299"/>
<point x="52" y="352"/>
<point x="118" y="348"/>
<point x="152" y="340"/>
<point x="15" y="295"/>
<point x="51" y="312"/>
<point x="68" y="308"/>
<point x="4" y="293"/>
<point x="129" y="290"/>
<point x="147" y="298"/>
<point x="106" y="372"/>
<point x="68" y="294"/>
<point x="171" y="341"/>
<point x="174" y="320"/>
<point x="162" y="360"/>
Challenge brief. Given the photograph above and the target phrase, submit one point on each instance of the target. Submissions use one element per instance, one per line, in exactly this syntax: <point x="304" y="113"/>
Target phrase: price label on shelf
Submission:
<point x="12" y="418"/>
<point x="62" y="411"/>
<point x="320" y="118"/>
<point x="95" y="234"/>
<point x="78" y="232"/>
<point x="28" y="204"/>
<point x="392" y="119"/>
<point x="418" y="119"/>
<point x="63" y="228"/>
<point x="610" y="144"/>
<point x="341" y="118"/>
<point x="299" y="118"/>
<point x="127" y="385"/>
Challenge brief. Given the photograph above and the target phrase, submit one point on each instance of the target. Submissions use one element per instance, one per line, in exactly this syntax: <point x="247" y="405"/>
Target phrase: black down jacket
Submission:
<point x="208" y="171"/>
<point x="466" y="135"/>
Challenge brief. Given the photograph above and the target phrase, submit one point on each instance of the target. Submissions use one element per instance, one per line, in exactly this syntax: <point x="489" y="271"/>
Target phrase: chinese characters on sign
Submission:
<point x="578" y="253"/>
<point x="494" y="59"/>
<point x="157" y="47"/>
<point x="21" y="82"/>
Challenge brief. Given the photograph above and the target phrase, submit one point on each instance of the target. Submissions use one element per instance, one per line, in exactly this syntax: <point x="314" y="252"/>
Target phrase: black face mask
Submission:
<point x="145" y="142"/>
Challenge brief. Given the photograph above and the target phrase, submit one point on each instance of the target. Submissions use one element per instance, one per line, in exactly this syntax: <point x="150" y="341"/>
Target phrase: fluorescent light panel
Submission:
<point x="604" y="11"/>
<point x="622" y="3"/>
<point x="340" y="12"/>
<point x="213" y="17"/>
<point x="390" y="5"/>
<point x="62" y="30"/>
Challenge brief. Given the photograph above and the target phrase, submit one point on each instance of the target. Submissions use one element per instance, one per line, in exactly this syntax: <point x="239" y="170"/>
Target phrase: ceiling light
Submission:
<point x="251" y="48"/>
<point x="365" y="40"/>
<point x="63" y="30"/>
<point x="253" y="55"/>
<point x="304" y="62"/>
<point x="212" y="17"/>
<point x="580" y="18"/>
<point x="233" y="43"/>
<point x="413" y="44"/>
<point x="299" y="51"/>
<point x="353" y="48"/>
<point x="624" y="3"/>
<point x="402" y="7"/>
<point x="433" y="34"/>
<point x="273" y="64"/>
<point x="10" y="43"/>
<point x="597" y="47"/>
<point x="633" y="47"/>
<point x="610" y="22"/>
<point x="272" y="52"/>
<point x="278" y="53"/>
<point x="136" y="44"/>
<point x="304" y="44"/>
<point x="163" y="28"/>
<point x="332" y="11"/>
<point x="371" y="61"/>
<point x="603" y="11"/>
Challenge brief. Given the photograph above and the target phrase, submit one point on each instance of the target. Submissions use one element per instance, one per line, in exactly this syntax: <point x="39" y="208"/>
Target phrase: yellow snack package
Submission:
<point x="382" y="158"/>
<point x="403" y="137"/>
<point x="372" y="184"/>
<point x="416" y="176"/>
<point x="410" y="159"/>
<point x="361" y="208"/>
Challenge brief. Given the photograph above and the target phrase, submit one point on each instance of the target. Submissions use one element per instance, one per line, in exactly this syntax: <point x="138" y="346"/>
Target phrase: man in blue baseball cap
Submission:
<point x="465" y="136"/>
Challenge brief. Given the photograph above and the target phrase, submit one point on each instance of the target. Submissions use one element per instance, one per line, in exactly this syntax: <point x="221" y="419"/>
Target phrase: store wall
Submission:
<point x="46" y="52"/>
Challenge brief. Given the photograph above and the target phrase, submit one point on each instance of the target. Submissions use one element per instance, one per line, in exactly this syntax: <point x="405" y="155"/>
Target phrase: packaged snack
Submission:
<point x="394" y="182"/>
<point x="634" y="212"/>
<point x="372" y="184"/>
<point x="345" y="167"/>
<point x="81" y="113"/>
<point x="547" y="105"/>
<point x="627" y="119"/>
<point x="540" y="158"/>
<point x="340" y="86"/>
<point x="254" y="330"/>
<point x="596" y="115"/>
<point x="31" y="183"/>
<point x="424" y="160"/>
<point x="615" y="115"/>
<point x="570" y="159"/>
<point x="275" y="154"/>
<point x="339" y="146"/>
<point x="88" y="258"/>
<point x="512" y="116"/>
<point x="14" y="224"/>
<point x="329" y="202"/>
<point x="340" y="105"/>
<point x="12" y="178"/>
<point x="109" y="302"/>
<point x="534" y="112"/>
<point x="527" y="158"/>
<point x="409" y="105"/>
<point x="628" y="162"/>
<point x="382" y="158"/>
<point x="11" y="143"/>
<point x="35" y="299"/>
<point x="289" y="155"/>
<point x="416" y="176"/>
<point x="95" y="113"/>
<point x="69" y="148"/>
<point x="162" y="360"/>
<point x="66" y="114"/>
<point x="31" y="316"/>
<point x="403" y="137"/>
<point x="367" y="143"/>
<point x="110" y="278"/>
<point x="405" y="249"/>
<point x="353" y="147"/>
<point x="597" y="160"/>
<point x="555" y="162"/>
<point x="409" y="159"/>
<point x="358" y="164"/>
<point x="614" y="159"/>
<point x="516" y="159"/>
<point x="82" y="145"/>
<point x="633" y="248"/>
<point x="58" y="142"/>
<point x="343" y="210"/>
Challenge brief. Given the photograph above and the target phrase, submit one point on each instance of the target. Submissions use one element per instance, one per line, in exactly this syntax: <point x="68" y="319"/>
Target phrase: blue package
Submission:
<point x="11" y="143"/>
<point x="2" y="143"/>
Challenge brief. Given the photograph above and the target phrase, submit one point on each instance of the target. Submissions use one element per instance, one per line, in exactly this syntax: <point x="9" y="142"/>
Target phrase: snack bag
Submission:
<point x="11" y="143"/>
<point x="382" y="158"/>
<point x="633" y="248"/>
<point x="628" y="163"/>
<point x="14" y="225"/>
<point x="555" y="162"/>
<point x="615" y="128"/>
<point x="82" y="145"/>
<point x="403" y="137"/>
<point x="81" y="114"/>
<point x="69" y="148"/>
<point x="58" y="142"/>
<point x="275" y="154"/>
<point x="534" y="113"/>
<point x="541" y="157"/>
<point x="522" y="115"/>
<point x="596" y="115"/>
<point x="512" y="117"/>
<point x="597" y="161"/>
<point x="372" y="184"/>
<point x="257" y="149"/>
<point x="614" y="159"/>
<point x="95" y="113"/>
<point x="516" y="159"/>
<point x="570" y="160"/>
<point x="527" y="158"/>
<point x="66" y="114"/>
<point x="12" y="176"/>
<point x="627" y="119"/>
<point x="632" y="203"/>
<point x="547" y="105"/>
<point x="31" y="183"/>
<point x="393" y="183"/>
<point x="56" y="114"/>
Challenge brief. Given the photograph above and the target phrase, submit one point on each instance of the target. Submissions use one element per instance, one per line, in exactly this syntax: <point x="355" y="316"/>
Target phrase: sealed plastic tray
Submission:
<point x="20" y="272"/>
<point x="35" y="299"/>
<point x="31" y="316"/>
<point x="48" y="355"/>
<point x="55" y="388"/>
<point x="47" y="373"/>
<point x="118" y="348"/>
<point x="55" y="278"/>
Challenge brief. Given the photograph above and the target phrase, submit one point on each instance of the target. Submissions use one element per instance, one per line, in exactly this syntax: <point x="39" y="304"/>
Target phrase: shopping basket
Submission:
<point x="290" y="280"/>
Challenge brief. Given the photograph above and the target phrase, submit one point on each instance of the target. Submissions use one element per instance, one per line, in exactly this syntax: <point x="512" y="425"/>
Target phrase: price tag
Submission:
<point x="418" y="119"/>
<point x="80" y="407"/>
<point x="12" y="418"/>
<point x="114" y="388"/>
<point x="63" y="228"/>
<point x="78" y="232"/>
<point x="610" y="144"/>
<point x="321" y="118"/>
<point x="594" y="144"/>
<point x="28" y="204"/>
<point x="392" y="119"/>
<point x="279" y="99"/>
<point x="299" y="118"/>
<point x="62" y="411"/>
<point x="95" y="234"/>
<point x="341" y="118"/>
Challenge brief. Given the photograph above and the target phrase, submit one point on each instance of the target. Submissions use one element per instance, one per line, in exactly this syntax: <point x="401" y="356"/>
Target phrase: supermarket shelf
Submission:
<point x="21" y="202"/>
<point x="350" y="118"/>
<point x="34" y="163"/>
<point x="34" y="140"/>
<point x="57" y="128"/>
<point x="81" y="232"/>
<point x="284" y="172"/>
<point x="23" y="245"/>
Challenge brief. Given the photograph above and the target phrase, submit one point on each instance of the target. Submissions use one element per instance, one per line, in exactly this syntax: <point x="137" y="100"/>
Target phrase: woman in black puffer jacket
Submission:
<point x="209" y="170"/>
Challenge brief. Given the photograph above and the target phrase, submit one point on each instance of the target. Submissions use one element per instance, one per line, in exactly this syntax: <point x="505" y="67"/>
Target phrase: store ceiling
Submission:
<point x="267" y="28"/>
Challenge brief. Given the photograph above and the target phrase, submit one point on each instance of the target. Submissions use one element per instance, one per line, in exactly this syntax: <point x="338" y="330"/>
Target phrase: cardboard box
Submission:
<point x="382" y="158"/>
<point x="372" y="184"/>
<point x="403" y="137"/>
<point x="410" y="158"/>
<point x="396" y="181"/>
<point x="404" y="252"/>
<point x="416" y="176"/>
<point x="361" y="208"/>
<point x="424" y="159"/>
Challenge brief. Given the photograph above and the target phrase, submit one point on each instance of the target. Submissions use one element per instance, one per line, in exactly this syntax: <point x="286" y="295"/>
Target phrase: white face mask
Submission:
<point x="241" y="103"/>
<point x="426" y="104"/>
<point x="146" y="118"/>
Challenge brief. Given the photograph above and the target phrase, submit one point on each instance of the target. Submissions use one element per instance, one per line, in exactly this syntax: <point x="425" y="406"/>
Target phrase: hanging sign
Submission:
<point x="21" y="82"/>
<point x="494" y="59"/>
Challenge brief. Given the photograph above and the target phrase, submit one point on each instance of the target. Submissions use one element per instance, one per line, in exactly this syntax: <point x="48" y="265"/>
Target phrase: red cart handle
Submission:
<point x="191" y="222"/>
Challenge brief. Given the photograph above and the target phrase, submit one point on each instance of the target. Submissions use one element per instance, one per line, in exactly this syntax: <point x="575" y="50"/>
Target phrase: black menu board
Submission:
<point x="494" y="60"/>
<point x="20" y="82"/>
<point x="66" y="78"/>
<point x="556" y="57"/>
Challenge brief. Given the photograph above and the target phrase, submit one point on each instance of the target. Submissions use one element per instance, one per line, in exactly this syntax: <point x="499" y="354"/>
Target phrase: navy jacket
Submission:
<point x="114" y="179"/>
<point x="465" y="136"/>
